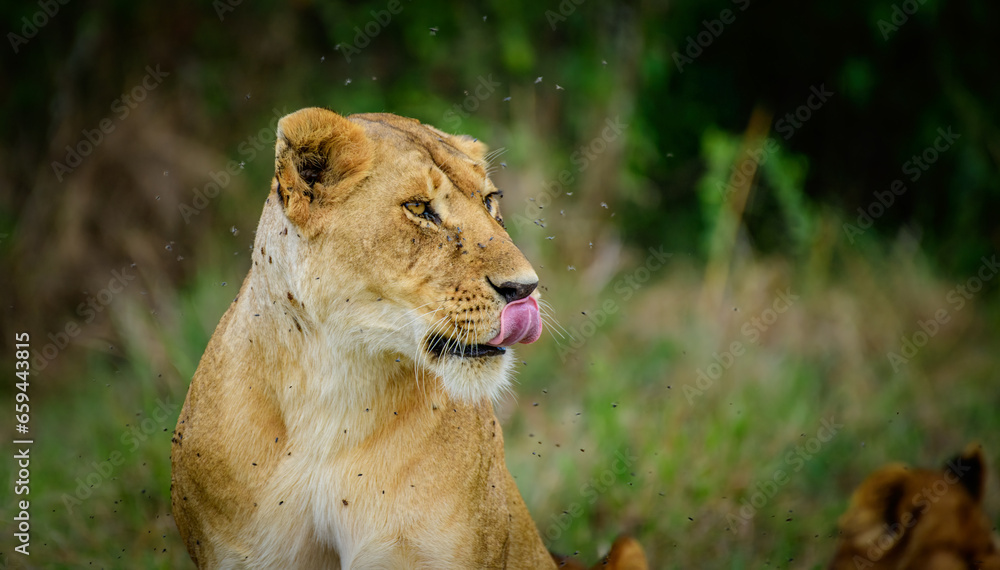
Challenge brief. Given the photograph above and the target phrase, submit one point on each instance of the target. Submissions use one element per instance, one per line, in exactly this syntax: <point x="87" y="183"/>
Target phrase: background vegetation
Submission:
<point x="740" y="137"/>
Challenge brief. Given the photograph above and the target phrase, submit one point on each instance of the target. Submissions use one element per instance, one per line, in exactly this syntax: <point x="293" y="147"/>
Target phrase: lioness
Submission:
<point x="341" y="416"/>
<point x="919" y="519"/>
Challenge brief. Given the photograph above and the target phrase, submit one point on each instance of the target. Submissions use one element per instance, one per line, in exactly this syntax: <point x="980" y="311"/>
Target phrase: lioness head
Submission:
<point x="397" y="248"/>
<point x="915" y="519"/>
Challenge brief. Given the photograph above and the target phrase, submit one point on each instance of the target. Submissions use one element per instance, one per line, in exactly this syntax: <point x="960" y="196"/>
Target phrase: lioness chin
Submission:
<point x="341" y="416"/>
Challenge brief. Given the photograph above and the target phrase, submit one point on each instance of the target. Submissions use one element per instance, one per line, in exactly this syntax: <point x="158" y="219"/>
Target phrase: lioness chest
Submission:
<point x="405" y="498"/>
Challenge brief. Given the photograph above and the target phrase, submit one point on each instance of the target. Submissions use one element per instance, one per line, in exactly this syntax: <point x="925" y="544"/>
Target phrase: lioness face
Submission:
<point x="416" y="264"/>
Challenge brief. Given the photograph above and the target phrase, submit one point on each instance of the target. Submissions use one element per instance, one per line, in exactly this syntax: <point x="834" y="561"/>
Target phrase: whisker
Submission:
<point x="420" y="364"/>
<point x="414" y="314"/>
<point x="494" y="154"/>
<point x="547" y="311"/>
<point x="552" y="326"/>
<point x="552" y="332"/>
<point x="415" y="309"/>
<point x="548" y="317"/>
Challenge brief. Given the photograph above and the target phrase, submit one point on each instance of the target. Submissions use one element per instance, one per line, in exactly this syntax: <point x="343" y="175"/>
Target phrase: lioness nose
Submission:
<point x="513" y="290"/>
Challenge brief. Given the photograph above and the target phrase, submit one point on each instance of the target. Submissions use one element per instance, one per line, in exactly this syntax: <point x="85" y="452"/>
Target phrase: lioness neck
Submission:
<point x="342" y="393"/>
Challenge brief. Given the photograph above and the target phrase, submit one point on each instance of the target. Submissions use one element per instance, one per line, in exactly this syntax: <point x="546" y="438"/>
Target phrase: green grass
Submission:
<point x="619" y="397"/>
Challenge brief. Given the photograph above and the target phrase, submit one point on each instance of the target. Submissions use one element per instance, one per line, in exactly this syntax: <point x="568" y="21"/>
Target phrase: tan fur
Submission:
<point x="919" y="519"/>
<point x="625" y="554"/>
<point x="319" y="431"/>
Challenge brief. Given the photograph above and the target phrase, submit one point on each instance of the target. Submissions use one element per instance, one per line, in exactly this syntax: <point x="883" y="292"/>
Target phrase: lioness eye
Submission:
<point x="422" y="210"/>
<point x="493" y="207"/>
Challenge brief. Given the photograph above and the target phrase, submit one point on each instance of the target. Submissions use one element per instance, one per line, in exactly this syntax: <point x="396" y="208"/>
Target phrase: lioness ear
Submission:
<point x="970" y="468"/>
<point x="876" y="502"/>
<point x="471" y="146"/>
<point x="317" y="154"/>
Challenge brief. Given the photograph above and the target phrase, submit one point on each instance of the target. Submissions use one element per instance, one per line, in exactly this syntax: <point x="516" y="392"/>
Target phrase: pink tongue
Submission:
<point x="519" y="322"/>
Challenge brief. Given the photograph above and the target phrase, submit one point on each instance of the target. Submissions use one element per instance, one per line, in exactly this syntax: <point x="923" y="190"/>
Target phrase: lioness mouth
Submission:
<point x="438" y="345"/>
